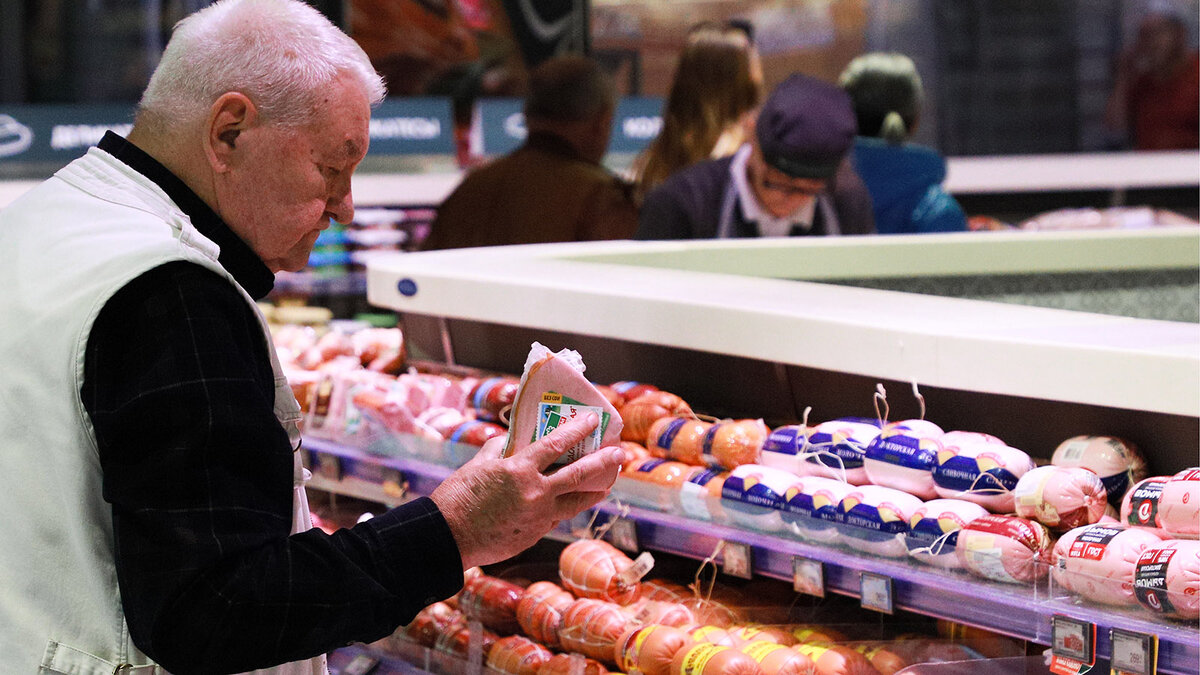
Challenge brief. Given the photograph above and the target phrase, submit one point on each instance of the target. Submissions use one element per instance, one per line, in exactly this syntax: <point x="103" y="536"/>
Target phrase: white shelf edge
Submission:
<point x="943" y="342"/>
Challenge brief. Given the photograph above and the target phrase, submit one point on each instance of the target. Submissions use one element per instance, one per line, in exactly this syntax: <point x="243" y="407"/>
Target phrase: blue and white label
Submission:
<point x="925" y="533"/>
<point x="748" y="490"/>
<point x="962" y="474"/>
<point x="902" y="450"/>
<point x="786" y="440"/>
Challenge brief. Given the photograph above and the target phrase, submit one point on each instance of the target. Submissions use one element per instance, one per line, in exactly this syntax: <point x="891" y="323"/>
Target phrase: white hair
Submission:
<point x="282" y="54"/>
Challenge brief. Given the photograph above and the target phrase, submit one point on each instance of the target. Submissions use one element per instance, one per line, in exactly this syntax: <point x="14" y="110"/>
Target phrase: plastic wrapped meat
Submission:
<point x="1179" y="505"/>
<point x="1118" y="462"/>
<point x="1166" y="579"/>
<point x="982" y="472"/>
<point x="811" y="510"/>
<point x="875" y="519"/>
<point x="835" y="449"/>
<point x="1060" y="498"/>
<point x="903" y="459"/>
<point x="1097" y="561"/>
<point x="1139" y="507"/>
<point x="753" y="496"/>
<point x="933" y="530"/>
<point x="1004" y="548"/>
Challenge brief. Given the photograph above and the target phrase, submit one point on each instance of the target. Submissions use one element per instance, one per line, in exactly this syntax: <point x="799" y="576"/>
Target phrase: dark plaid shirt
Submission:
<point x="179" y="387"/>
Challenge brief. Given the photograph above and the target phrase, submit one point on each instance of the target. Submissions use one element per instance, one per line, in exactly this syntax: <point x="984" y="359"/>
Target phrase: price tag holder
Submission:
<point x="1133" y="653"/>
<point x="361" y="664"/>
<point x="736" y="561"/>
<point x="624" y="534"/>
<point x="875" y="592"/>
<point x="1073" y="646"/>
<point x="808" y="576"/>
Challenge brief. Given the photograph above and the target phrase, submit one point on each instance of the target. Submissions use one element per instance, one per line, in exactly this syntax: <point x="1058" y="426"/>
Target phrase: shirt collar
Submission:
<point x="235" y="255"/>
<point x="768" y="225"/>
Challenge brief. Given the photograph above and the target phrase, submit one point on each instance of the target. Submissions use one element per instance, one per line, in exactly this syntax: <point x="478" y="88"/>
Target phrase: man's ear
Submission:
<point x="230" y="115"/>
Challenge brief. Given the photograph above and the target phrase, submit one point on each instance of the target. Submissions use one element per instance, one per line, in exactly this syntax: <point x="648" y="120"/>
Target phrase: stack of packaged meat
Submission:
<point x="601" y="617"/>
<point x="1088" y="517"/>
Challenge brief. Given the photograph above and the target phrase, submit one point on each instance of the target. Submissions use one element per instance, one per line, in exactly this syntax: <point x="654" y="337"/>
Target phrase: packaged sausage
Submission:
<point x="712" y="659"/>
<point x="1117" y="462"/>
<point x="903" y="459"/>
<point x="640" y="413"/>
<point x="474" y="432"/>
<point x="1139" y="506"/>
<point x="729" y="444"/>
<point x="1166" y="579"/>
<point x="540" y="611"/>
<point x="958" y="437"/>
<point x="629" y="390"/>
<point x="678" y="438"/>
<point x="874" y="519"/>
<point x="663" y="612"/>
<point x="933" y="530"/>
<point x="777" y="659"/>
<point x="592" y="627"/>
<point x="751" y="633"/>
<point x="490" y="396"/>
<point x="1097" y="561"/>
<point x="430" y="622"/>
<point x="517" y="655"/>
<point x="1179" y="505"/>
<point x="836" y="659"/>
<point x="783" y="448"/>
<point x="752" y="496"/>
<point x="835" y="449"/>
<point x="1004" y="548"/>
<point x="553" y="390"/>
<point x="1060" y="498"/>
<point x="593" y="568"/>
<point x="572" y="664"/>
<point x="982" y="472"/>
<point x="493" y="602"/>
<point x="811" y="508"/>
<point x="700" y="494"/>
<point x="650" y="649"/>
<point x="652" y="482"/>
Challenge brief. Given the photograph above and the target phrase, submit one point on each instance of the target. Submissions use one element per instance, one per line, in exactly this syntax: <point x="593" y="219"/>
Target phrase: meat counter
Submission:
<point x="771" y="327"/>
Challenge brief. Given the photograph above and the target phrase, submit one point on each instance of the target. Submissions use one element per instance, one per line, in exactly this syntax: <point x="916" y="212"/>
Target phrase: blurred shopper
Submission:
<point x="792" y="179"/>
<point x="904" y="179"/>
<point x="1155" y="99"/>
<point x="553" y="187"/>
<point x="709" y="111"/>
<point x="153" y="499"/>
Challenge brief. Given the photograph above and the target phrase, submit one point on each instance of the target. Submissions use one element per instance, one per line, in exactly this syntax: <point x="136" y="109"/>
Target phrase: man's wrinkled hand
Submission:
<point x="497" y="507"/>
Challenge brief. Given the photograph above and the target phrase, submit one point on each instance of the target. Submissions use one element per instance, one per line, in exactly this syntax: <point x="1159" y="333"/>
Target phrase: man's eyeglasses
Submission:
<point x="790" y="190"/>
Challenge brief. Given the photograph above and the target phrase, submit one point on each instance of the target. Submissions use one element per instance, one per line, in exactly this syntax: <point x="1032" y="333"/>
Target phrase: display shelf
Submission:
<point x="1018" y="611"/>
<point x="734" y="298"/>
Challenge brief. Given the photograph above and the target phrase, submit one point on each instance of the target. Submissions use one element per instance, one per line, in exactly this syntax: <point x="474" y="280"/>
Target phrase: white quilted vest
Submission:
<point x="65" y="247"/>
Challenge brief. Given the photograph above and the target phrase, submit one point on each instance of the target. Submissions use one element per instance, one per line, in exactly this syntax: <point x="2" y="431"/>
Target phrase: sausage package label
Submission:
<point x="556" y="409"/>
<point x="925" y="533"/>
<point x="1143" y="503"/>
<point x="894" y="446"/>
<point x="980" y="474"/>
<point x="761" y="650"/>
<point x="698" y="657"/>
<point x="1150" y="579"/>
<point x="1032" y="535"/>
<point x="845" y="441"/>
<point x="667" y="436"/>
<point x="786" y="440"/>
<point x="883" y="517"/>
<point x="1092" y="542"/>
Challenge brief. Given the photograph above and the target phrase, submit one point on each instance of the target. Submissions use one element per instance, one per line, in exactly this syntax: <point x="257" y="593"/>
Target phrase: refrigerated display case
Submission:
<point x="765" y="328"/>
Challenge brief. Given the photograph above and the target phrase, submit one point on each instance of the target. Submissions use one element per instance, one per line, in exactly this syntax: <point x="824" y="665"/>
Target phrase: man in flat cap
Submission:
<point x="793" y="179"/>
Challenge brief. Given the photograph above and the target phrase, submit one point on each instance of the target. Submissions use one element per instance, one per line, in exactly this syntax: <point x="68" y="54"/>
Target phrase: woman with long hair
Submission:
<point x="709" y="110"/>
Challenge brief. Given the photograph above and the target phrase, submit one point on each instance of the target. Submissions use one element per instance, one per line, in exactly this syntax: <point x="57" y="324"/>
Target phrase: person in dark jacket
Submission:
<point x="905" y="179"/>
<point x="553" y="187"/>
<point x="792" y="179"/>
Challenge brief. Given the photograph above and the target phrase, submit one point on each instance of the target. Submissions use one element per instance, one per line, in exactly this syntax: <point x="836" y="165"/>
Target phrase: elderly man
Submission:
<point x="553" y="187"/>
<point x="154" y="505"/>
<point x="792" y="180"/>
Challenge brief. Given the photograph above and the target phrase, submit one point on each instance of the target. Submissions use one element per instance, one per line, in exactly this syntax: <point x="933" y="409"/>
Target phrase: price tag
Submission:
<point x="360" y="665"/>
<point x="624" y="534"/>
<point x="808" y="576"/>
<point x="1073" y="645"/>
<point x="1133" y="653"/>
<point x="875" y="591"/>
<point x="736" y="562"/>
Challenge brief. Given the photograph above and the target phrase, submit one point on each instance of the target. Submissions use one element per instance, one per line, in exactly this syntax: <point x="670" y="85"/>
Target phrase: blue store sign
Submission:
<point x="500" y="125"/>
